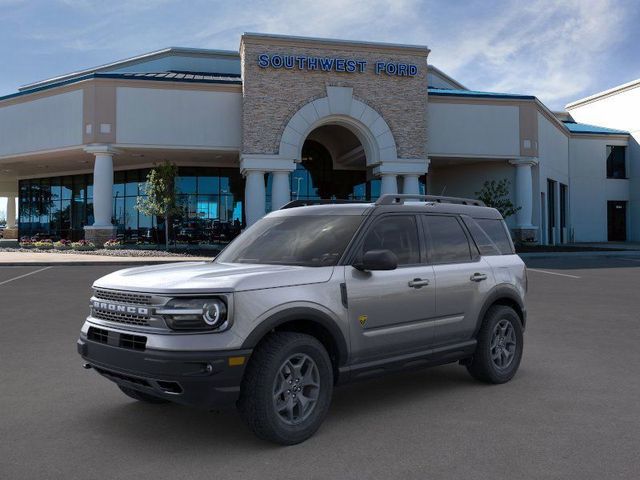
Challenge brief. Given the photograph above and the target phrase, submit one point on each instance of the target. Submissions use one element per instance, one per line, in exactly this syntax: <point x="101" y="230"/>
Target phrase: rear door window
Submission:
<point x="447" y="242"/>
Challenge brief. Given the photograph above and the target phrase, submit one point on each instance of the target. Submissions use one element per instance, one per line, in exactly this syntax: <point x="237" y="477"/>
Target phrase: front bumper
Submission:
<point x="207" y="379"/>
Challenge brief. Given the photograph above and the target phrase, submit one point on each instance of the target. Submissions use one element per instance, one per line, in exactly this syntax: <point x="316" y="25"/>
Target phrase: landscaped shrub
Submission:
<point x="26" y="243"/>
<point x="62" y="245"/>
<point x="43" y="244"/>
<point x="83" y="245"/>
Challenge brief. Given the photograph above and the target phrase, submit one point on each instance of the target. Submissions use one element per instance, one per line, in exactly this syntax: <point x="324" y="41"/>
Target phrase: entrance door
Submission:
<point x="390" y="311"/>
<point x="617" y="221"/>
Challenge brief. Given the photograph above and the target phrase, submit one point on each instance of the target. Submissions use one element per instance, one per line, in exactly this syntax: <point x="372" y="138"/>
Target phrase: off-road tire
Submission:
<point x="256" y="402"/>
<point x="141" y="396"/>
<point x="482" y="366"/>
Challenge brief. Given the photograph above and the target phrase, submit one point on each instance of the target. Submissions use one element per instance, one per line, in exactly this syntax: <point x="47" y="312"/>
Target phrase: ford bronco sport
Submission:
<point x="313" y="296"/>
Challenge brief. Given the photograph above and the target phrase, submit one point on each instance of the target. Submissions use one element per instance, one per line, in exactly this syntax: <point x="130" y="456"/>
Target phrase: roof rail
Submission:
<point x="390" y="199"/>
<point x="320" y="201"/>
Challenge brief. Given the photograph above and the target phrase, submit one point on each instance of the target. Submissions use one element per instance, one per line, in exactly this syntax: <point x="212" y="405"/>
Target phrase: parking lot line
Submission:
<point x="552" y="273"/>
<point x="25" y="275"/>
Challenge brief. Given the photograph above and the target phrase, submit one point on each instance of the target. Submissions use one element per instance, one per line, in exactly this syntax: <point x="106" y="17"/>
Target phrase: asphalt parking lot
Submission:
<point x="573" y="410"/>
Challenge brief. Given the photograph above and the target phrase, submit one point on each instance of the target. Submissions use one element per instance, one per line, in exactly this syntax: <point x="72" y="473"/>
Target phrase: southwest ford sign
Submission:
<point x="332" y="64"/>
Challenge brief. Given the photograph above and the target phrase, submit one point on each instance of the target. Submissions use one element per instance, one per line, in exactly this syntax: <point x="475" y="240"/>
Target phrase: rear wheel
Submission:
<point x="287" y="388"/>
<point x="141" y="396"/>
<point x="500" y="344"/>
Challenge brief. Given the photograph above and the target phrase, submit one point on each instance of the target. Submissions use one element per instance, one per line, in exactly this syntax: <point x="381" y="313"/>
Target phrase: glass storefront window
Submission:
<point x="60" y="207"/>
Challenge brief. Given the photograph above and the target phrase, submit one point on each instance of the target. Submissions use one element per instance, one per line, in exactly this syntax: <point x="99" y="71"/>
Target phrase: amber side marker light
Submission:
<point x="236" y="361"/>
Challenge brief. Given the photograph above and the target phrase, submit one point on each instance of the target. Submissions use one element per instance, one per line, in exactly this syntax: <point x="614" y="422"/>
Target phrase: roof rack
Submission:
<point x="391" y="199"/>
<point x="320" y="201"/>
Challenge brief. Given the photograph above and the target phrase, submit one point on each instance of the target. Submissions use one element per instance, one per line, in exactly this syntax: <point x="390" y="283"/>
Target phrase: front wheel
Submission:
<point x="287" y="388"/>
<point x="499" y="349"/>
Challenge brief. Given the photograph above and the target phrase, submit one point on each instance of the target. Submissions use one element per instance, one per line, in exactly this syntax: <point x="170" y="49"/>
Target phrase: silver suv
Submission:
<point x="313" y="296"/>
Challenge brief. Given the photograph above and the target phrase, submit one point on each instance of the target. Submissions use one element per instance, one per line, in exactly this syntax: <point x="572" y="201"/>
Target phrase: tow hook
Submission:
<point x="86" y="366"/>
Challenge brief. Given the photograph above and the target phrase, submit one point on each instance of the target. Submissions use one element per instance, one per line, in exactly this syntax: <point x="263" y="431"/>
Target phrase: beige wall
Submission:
<point x="44" y="123"/>
<point x="473" y="129"/>
<point x="272" y="96"/>
<point x="191" y="118"/>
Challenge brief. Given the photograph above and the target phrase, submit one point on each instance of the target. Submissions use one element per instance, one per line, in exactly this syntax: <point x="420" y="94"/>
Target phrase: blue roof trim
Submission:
<point x="585" y="128"/>
<point x="156" y="77"/>
<point x="449" y="92"/>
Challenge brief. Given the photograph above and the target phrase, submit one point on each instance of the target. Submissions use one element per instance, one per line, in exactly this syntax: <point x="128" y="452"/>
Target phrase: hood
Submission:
<point x="208" y="277"/>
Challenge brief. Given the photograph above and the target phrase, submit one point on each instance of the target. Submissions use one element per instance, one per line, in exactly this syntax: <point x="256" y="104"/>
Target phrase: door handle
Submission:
<point x="478" y="277"/>
<point x="418" y="283"/>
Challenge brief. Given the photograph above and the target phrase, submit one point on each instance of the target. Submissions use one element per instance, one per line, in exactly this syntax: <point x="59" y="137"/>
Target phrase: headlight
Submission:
<point x="195" y="314"/>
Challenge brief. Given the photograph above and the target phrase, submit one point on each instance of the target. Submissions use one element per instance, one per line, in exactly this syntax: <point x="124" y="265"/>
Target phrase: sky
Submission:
<point x="557" y="50"/>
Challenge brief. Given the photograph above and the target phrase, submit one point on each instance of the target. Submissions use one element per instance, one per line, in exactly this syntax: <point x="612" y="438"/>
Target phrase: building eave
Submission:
<point x="119" y="76"/>
<point x="603" y="94"/>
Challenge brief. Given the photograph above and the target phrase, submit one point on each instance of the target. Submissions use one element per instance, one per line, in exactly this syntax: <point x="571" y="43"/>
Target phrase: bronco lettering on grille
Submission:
<point x="112" y="307"/>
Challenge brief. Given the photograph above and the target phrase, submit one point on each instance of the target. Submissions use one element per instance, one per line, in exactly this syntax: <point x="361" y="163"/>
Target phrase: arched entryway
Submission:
<point x="333" y="165"/>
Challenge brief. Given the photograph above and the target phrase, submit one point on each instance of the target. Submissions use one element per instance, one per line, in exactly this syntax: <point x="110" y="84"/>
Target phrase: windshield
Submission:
<point x="310" y="241"/>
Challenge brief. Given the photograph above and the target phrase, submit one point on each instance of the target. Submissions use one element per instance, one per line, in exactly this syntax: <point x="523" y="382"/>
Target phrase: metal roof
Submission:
<point x="585" y="128"/>
<point x="132" y="61"/>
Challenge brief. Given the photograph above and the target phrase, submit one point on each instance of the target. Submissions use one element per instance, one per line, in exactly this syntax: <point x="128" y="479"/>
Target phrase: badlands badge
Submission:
<point x="362" y="319"/>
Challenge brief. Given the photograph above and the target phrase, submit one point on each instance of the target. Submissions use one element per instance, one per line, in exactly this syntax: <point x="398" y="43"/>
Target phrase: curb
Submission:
<point x="91" y="263"/>
<point x="612" y="253"/>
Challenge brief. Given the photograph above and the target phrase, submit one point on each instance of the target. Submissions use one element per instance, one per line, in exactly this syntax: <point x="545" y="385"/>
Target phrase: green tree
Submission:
<point x="496" y="194"/>
<point x="160" y="195"/>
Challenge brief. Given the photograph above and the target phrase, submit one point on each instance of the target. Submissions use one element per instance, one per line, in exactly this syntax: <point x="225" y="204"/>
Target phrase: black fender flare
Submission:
<point x="300" y="313"/>
<point x="504" y="291"/>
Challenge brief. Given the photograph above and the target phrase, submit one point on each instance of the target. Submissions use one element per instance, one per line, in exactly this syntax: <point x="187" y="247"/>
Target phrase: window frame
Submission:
<point x="474" y="253"/>
<point x="608" y="149"/>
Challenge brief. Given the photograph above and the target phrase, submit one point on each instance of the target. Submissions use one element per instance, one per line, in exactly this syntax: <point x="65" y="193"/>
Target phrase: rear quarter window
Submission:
<point x="498" y="232"/>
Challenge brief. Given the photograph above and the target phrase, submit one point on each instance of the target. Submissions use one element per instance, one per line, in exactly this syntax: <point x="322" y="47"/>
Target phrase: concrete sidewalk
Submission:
<point x="36" y="259"/>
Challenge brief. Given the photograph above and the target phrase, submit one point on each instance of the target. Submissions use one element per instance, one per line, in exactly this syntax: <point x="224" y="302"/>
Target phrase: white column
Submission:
<point x="254" y="196"/>
<point x="524" y="191"/>
<point x="389" y="184"/>
<point x="410" y="184"/>
<point x="11" y="211"/>
<point x="103" y="189"/>
<point x="280" y="189"/>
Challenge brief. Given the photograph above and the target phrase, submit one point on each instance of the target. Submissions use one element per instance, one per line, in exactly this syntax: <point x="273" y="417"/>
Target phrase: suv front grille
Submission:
<point x="133" y="342"/>
<point x="98" y="335"/>
<point x="127" y="318"/>
<point x="123" y="297"/>
<point x="122" y="340"/>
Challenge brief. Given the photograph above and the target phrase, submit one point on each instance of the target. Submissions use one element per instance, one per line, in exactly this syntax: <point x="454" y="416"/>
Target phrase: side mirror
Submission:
<point x="377" y="260"/>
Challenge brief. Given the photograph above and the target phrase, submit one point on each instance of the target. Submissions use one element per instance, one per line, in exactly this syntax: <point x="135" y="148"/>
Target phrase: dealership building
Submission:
<point x="302" y="118"/>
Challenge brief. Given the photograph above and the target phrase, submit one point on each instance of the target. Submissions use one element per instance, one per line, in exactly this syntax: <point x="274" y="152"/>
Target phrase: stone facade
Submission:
<point x="271" y="96"/>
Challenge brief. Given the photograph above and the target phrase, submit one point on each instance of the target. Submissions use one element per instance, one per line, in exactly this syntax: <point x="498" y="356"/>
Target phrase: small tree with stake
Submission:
<point x="160" y="195"/>
<point x="496" y="194"/>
